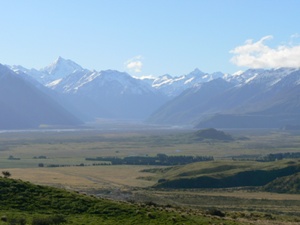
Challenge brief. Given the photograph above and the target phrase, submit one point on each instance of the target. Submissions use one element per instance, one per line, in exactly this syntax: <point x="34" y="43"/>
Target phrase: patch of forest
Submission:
<point x="159" y="159"/>
<point x="269" y="157"/>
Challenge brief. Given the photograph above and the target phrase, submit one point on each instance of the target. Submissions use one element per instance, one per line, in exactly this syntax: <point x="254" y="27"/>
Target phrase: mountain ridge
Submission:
<point x="255" y="99"/>
<point x="194" y="99"/>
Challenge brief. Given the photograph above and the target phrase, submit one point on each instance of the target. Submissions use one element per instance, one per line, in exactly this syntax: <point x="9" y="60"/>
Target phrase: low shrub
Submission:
<point x="215" y="212"/>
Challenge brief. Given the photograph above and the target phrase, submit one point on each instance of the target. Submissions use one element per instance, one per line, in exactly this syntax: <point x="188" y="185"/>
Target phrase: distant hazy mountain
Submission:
<point x="255" y="98"/>
<point x="192" y="105"/>
<point x="24" y="106"/>
<point x="110" y="94"/>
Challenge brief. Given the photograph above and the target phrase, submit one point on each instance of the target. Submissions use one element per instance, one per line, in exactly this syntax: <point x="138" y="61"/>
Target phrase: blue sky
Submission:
<point x="153" y="37"/>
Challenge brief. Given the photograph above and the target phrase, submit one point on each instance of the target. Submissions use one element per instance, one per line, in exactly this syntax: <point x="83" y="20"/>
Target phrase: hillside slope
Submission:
<point x="227" y="174"/>
<point x="73" y="208"/>
<point x="24" y="106"/>
<point x="287" y="184"/>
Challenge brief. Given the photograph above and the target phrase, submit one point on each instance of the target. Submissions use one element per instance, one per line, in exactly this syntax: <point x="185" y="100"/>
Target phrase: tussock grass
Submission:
<point x="23" y="201"/>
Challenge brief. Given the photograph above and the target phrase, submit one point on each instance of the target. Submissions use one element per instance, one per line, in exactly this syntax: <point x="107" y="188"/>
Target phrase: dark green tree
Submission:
<point x="6" y="174"/>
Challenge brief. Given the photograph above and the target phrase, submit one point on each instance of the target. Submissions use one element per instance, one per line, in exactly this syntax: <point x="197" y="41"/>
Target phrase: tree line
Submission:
<point x="279" y="156"/>
<point x="269" y="157"/>
<point x="159" y="159"/>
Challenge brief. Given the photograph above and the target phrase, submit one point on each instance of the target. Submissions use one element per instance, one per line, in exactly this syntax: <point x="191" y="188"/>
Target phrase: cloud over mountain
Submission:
<point x="134" y="64"/>
<point x="259" y="55"/>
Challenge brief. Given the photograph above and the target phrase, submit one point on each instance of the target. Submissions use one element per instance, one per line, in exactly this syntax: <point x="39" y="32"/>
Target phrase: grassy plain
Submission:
<point x="70" y="148"/>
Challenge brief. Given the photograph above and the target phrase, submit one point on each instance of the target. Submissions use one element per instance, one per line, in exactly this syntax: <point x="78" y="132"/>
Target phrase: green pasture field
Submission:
<point x="73" y="147"/>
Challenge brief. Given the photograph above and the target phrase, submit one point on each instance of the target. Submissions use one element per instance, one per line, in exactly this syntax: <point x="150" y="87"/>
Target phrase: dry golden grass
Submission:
<point x="98" y="177"/>
<point x="95" y="177"/>
<point x="243" y="194"/>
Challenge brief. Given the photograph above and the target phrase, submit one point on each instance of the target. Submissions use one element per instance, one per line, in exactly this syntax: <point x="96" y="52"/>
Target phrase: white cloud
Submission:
<point x="296" y="35"/>
<point x="259" y="55"/>
<point x="134" y="64"/>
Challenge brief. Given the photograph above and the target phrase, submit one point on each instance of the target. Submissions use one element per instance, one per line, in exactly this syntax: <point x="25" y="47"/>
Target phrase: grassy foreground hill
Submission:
<point x="25" y="203"/>
<point x="287" y="184"/>
<point x="226" y="174"/>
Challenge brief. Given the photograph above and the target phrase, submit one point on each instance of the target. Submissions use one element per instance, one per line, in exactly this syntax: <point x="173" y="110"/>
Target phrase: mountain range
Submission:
<point x="64" y="93"/>
<point x="253" y="99"/>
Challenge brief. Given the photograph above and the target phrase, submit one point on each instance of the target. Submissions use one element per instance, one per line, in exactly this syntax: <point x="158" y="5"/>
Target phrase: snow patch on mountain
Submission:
<point x="238" y="73"/>
<point x="173" y="86"/>
<point x="251" y="78"/>
<point x="54" y="83"/>
<point x="189" y="80"/>
<point x="95" y="82"/>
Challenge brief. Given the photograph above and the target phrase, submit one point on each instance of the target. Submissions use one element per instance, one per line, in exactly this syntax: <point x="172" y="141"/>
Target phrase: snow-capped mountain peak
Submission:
<point x="60" y="68"/>
<point x="195" y="72"/>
